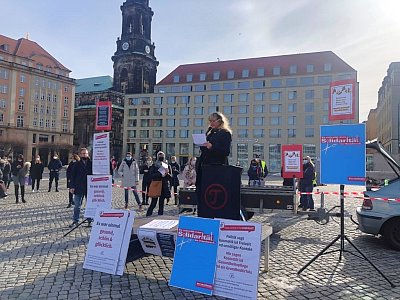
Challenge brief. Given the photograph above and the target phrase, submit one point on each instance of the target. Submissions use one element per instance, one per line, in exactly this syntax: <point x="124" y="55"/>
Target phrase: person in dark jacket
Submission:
<point x="6" y="170"/>
<point x="36" y="172"/>
<point x="306" y="184"/>
<point x="165" y="177"/>
<point x="146" y="180"/>
<point x="19" y="170"/>
<point x="71" y="164"/>
<point x="175" y="180"/>
<point x="78" y="182"/>
<point x="254" y="173"/>
<point x="218" y="146"/>
<point x="54" y="167"/>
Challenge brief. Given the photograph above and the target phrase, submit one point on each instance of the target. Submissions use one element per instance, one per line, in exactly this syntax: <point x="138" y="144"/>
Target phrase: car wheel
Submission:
<point x="391" y="232"/>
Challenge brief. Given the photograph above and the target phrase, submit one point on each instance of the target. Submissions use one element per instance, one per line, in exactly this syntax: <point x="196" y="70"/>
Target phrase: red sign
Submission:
<point x="103" y="115"/>
<point x="342" y="100"/>
<point x="292" y="161"/>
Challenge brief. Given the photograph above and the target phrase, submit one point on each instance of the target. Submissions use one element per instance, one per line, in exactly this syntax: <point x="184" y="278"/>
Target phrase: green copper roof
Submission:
<point x="94" y="84"/>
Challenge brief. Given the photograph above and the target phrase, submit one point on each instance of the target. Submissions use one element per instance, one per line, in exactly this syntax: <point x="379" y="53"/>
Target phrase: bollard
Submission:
<point x="322" y="199"/>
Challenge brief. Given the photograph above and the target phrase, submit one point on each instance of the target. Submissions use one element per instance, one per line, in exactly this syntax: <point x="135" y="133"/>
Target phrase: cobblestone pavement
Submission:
<point x="36" y="262"/>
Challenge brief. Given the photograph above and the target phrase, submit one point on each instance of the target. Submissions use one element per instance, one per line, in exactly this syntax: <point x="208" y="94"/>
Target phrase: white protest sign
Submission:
<point x="238" y="260"/>
<point x="126" y="240"/>
<point x="106" y="238"/>
<point x="101" y="153"/>
<point x="99" y="194"/>
<point x="292" y="161"/>
<point x="149" y="242"/>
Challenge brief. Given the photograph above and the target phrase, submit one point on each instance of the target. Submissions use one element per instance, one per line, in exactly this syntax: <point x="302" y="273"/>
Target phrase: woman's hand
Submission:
<point x="208" y="145"/>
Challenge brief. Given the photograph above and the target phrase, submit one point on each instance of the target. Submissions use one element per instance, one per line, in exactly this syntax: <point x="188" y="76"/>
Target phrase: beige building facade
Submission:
<point x="269" y="101"/>
<point x="36" y="102"/>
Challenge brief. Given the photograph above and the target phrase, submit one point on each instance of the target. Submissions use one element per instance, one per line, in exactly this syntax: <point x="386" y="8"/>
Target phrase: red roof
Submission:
<point x="30" y="50"/>
<point x="318" y="59"/>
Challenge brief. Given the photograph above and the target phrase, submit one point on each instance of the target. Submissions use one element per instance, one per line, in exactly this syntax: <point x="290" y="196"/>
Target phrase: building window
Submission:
<point x="258" y="133"/>
<point x="215" y="87"/>
<point x="310" y="68"/>
<point x="131" y="134"/>
<point x="275" y="108"/>
<point x="259" y="96"/>
<point x="259" y="84"/>
<point x="291" y="81"/>
<point x="41" y="122"/>
<point x="325" y="106"/>
<point x="243" y="109"/>
<point x="324" y="79"/>
<point x="306" y="81"/>
<point x="170" y="111"/>
<point x="309" y="132"/>
<point x="276" y="71"/>
<point x="274" y="133"/>
<point x="228" y="110"/>
<point x="1" y="117"/>
<point x="231" y="74"/>
<point x="275" y="96"/>
<point x="216" y="75"/>
<point x="48" y="110"/>
<point x="170" y="122"/>
<point x="291" y="133"/>
<point x="202" y="76"/>
<point x="65" y="100"/>
<point x="198" y="122"/>
<point x="47" y="123"/>
<point x="132" y="112"/>
<point x="185" y="99"/>
<point x="3" y="103"/>
<point x="275" y="121"/>
<point x="327" y="67"/>
<point x="258" y="121"/>
<point x="200" y="88"/>
<point x="276" y="83"/>
<point x="158" y="100"/>
<point x="176" y="79"/>
<point x="144" y="134"/>
<point x="186" y="88"/>
<point x="243" y="155"/>
<point x="292" y="120"/>
<point x="309" y="94"/>
<point x="49" y="97"/>
<point x="293" y="69"/>
<point x="157" y="134"/>
<point x="21" y="105"/>
<point x="244" y="97"/>
<point x="325" y="119"/>
<point x="213" y="98"/>
<point x="66" y="89"/>
<point x="35" y="108"/>
<point x="3" y="74"/>
<point x="157" y="111"/>
<point x="310" y="150"/>
<point x="171" y="100"/>
<point x="22" y="92"/>
<point x="292" y="107"/>
<point x="243" y="121"/>
<point x="170" y="133"/>
<point x="228" y="97"/>
<point x="198" y="99"/>
<point x="228" y="86"/>
<point x="309" y="120"/>
<point x="325" y="93"/>
<point x="258" y="108"/>
<point x="245" y="73"/>
<point x="65" y="112"/>
<point x="35" y="122"/>
<point x="20" y="121"/>
<point x="198" y="111"/>
<point x="260" y="72"/>
<point x="184" y="111"/>
<point x="212" y="109"/>
<point x="244" y="85"/>
<point x="309" y="107"/>
<point x="22" y="78"/>
<point x="189" y="77"/>
<point x="242" y="133"/>
<point x="292" y="95"/>
<point x="184" y="122"/>
<point x="132" y="122"/>
<point x="183" y="133"/>
<point x="65" y="127"/>
<point x="53" y="123"/>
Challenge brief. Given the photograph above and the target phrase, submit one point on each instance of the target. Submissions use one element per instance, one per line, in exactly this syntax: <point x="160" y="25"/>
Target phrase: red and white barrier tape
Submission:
<point x="350" y="195"/>
<point x="130" y="189"/>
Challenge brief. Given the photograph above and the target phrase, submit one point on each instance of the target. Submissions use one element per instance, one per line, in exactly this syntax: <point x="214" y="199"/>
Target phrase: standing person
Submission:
<point x="9" y="160"/>
<point x="254" y="172"/>
<point x="19" y="170"/>
<point x="71" y="164"/>
<point x="6" y="170"/>
<point x="218" y="146"/>
<point x="146" y="180"/>
<point x="113" y="167"/>
<point x="306" y="184"/>
<point x="54" y="167"/>
<point x="129" y="171"/>
<point x="165" y="177"/>
<point x="36" y="172"/>
<point x="175" y="167"/>
<point x="189" y="173"/>
<point x="78" y="182"/>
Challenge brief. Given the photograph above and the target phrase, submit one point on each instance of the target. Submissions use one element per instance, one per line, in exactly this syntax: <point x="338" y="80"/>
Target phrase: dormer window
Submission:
<point x="231" y="74"/>
<point x="276" y="71"/>
<point x="202" y="76"/>
<point x="293" y="69"/>
<point x="176" y="78"/>
<point x="327" y="67"/>
<point x="5" y="47"/>
<point x="189" y="77"/>
<point x="310" y="68"/>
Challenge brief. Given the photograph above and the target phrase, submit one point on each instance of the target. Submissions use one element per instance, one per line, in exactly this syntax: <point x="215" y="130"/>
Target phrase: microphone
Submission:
<point x="208" y="130"/>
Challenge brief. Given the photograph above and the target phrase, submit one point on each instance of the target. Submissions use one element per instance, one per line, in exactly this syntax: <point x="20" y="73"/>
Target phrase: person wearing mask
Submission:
<point x="36" y="172"/>
<point x="254" y="173"/>
<point x="129" y="171"/>
<point x="144" y="169"/>
<point x="78" y="182"/>
<point x="218" y="146"/>
<point x="71" y="164"/>
<point x="160" y="171"/>
<point x="306" y="184"/>
<point x="19" y="170"/>
<point x="175" y="180"/>
<point x="54" y="167"/>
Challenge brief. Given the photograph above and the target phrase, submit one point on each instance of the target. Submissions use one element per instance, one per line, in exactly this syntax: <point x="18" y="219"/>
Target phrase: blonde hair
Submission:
<point x="224" y="120"/>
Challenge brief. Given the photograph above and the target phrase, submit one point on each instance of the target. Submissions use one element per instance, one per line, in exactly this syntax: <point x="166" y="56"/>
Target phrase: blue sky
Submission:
<point x="82" y="34"/>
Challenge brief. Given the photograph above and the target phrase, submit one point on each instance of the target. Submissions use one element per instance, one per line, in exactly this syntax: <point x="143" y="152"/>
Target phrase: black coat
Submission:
<point x="79" y="176"/>
<point x="221" y="147"/>
<point x="175" y="171"/>
<point x="144" y="169"/>
<point x="36" y="170"/>
<point x="308" y="176"/>
<point x="155" y="175"/>
<point x="69" y="172"/>
<point x="55" y="165"/>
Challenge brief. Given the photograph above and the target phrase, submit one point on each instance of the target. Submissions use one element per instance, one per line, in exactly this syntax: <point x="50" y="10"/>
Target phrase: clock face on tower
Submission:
<point x="125" y="46"/>
<point x="147" y="49"/>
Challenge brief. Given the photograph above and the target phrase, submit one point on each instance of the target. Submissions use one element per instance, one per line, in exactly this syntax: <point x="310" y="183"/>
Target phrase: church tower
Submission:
<point x="135" y="65"/>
